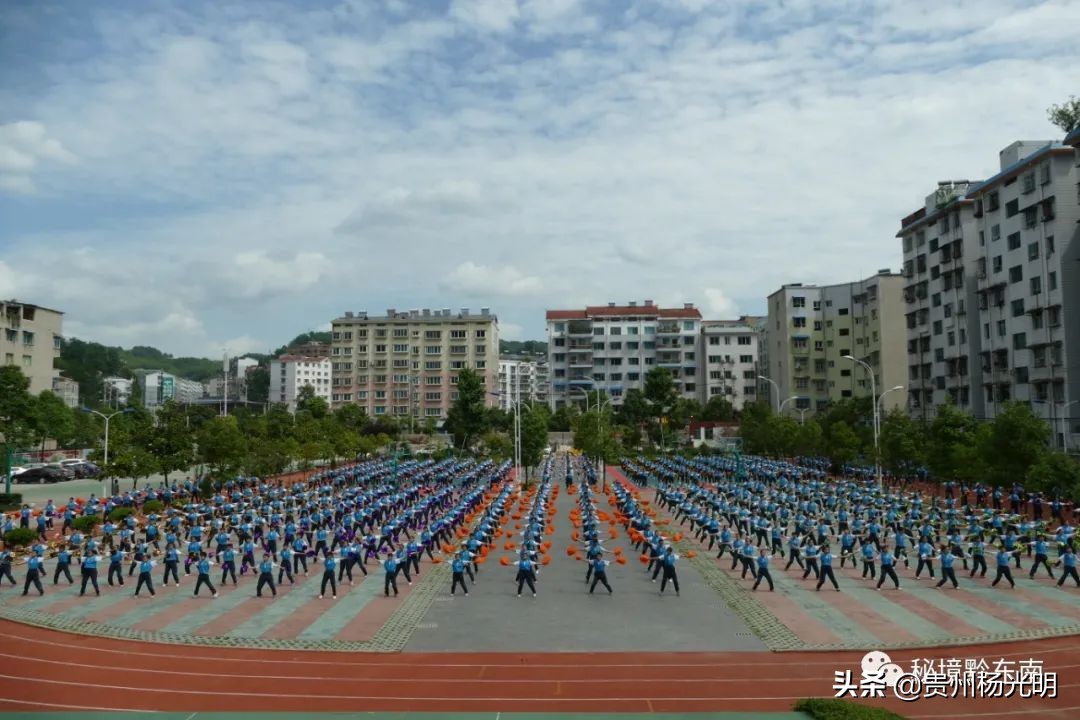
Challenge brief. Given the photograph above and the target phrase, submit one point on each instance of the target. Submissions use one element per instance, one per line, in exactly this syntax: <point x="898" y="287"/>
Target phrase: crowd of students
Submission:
<point x="756" y="509"/>
<point x="376" y="511"/>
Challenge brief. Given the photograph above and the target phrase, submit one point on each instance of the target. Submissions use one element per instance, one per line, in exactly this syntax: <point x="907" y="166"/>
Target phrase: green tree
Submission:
<point x="809" y="439"/>
<point x="951" y="449"/>
<point x="1066" y="115"/>
<point x="1056" y="474"/>
<point x="1013" y="442"/>
<point x="843" y="443"/>
<point x="222" y="446"/>
<point x="308" y="402"/>
<point x="718" y="409"/>
<point x="634" y="409"/>
<point x="534" y="436"/>
<point x="258" y="385"/>
<point x="52" y="419"/>
<point x="902" y="442"/>
<point x="498" y="446"/>
<point x="171" y="441"/>
<point x="468" y="418"/>
<point x="16" y="406"/>
<point x="753" y="427"/>
<point x="660" y="390"/>
<point x="562" y="420"/>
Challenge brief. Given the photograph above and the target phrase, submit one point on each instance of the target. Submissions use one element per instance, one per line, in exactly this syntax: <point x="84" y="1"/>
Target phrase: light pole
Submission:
<point x="515" y="404"/>
<point x="107" y="418"/>
<point x="781" y="410"/>
<point x="600" y="460"/>
<point x="775" y="385"/>
<point x="877" y="419"/>
<point x="802" y="414"/>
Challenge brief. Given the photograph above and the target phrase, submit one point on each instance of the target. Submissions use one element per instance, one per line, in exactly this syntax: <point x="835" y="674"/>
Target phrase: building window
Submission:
<point x="27" y="360"/>
<point x="1018" y="307"/>
<point x="1033" y="251"/>
<point x="1016" y="274"/>
<point x="797" y="301"/>
<point x="28" y="338"/>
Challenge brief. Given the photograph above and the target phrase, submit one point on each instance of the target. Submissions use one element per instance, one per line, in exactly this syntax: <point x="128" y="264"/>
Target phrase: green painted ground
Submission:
<point x="412" y="716"/>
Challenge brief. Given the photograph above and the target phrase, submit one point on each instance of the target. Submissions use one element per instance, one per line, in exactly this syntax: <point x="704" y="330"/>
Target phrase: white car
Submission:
<point x="16" y="469"/>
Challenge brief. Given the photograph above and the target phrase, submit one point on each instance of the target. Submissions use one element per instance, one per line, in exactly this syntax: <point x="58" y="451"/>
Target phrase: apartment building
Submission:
<point x="527" y="379"/>
<point x="30" y="337"/>
<point x="406" y="364"/>
<point x="289" y="374"/>
<point x="115" y="391"/>
<point x="730" y="359"/>
<point x="810" y="328"/>
<point x="67" y="390"/>
<point x="610" y="348"/>
<point x="941" y="251"/>
<point x="158" y="386"/>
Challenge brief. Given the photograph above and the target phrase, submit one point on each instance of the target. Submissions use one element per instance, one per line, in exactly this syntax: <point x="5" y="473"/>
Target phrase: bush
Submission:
<point x="120" y="513"/>
<point x="832" y="709"/>
<point x="10" y="501"/>
<point x="86" y="523"/>
<point x="19" y="537"/>
<point x="153" y="506"/>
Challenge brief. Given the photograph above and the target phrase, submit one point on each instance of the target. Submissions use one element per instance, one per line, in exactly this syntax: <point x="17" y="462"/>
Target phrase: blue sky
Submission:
<point x="201" y="175"/>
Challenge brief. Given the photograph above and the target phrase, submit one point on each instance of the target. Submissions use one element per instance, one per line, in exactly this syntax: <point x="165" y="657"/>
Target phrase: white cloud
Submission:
<point x="510" y="331"/>
<point x="719" y="306"/>
<point x="24" y="145"/>
<point x="474" y="280"/>
<point x="8" y="285"/>
<point x="256" y="171"/>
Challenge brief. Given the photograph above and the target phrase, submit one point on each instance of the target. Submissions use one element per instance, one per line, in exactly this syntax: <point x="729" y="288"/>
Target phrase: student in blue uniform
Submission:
<point x="526" y="574"/>
<point x="115" y="566"/>
<point x="63" y="565"/>
<point x="826" y="569"/>
<point x="172" y="562"/>
<point x="33" y="575"/>
<point x="1068" y="567"/>
<point x="763" y="570"/>
<point x="926" y="559"/>
<point x="285" y="571"/>
<point x="978" y="558"/>
<point x="228" y="564"/>
<point x="1003" y="557"/>
<point x="5" y="567"/>
<point x="1041" y="558"/>
<point x="599" y="566"/>
<point x="457" y="567"/>
<point x="888" y="569"/>
<point x="668" y="563"/>
<point x="947" y="571"/>
<point x="203" y="567"/>
<point x="868" y="556"/>
<point x="266" y="575"/>
<point x="390" y="565"/>
<point x="144" y="577"/>
<point x="88" y="572"/>
<point x="329" y="568"/>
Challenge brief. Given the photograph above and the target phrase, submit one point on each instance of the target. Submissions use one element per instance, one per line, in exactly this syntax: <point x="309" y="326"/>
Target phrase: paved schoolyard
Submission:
<point x="564" y="617"/>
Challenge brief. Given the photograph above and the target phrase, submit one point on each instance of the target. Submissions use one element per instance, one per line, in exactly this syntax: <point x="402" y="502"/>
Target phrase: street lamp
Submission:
<point x="516" y="405"/>
<point x="116" y="486"/>
<point x="877" y="417"/>
<point x="781" y="410"/>
<point x="775" y="385"/>
<point x="802" y="414"/>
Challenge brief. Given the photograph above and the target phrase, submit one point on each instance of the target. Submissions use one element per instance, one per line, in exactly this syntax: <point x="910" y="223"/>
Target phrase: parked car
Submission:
<point x="68" y="472"/>
<point x="17" y="469"/>
<point x="88" y="470"/>
<point x="42" y="474"/>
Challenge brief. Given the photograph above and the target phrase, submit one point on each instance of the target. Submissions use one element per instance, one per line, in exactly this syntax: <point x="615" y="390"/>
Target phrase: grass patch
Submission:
<point x="833" y="709"/>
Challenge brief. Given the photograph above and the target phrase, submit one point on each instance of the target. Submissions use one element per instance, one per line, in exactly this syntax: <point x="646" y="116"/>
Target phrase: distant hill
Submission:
<point x="523" y="347"/>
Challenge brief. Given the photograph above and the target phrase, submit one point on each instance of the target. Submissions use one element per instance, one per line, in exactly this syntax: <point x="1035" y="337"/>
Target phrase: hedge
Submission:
<point x="153" y="506"/>
<point x="831" y="709"/>
<point x="19" y="537"/>
<point x="120" y="513"/>
<point x="86" y="523"/>
<point x="10" y="501"/>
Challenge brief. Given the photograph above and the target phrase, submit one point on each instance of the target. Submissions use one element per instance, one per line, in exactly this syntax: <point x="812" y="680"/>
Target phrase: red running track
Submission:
<point x="48" y="670"/>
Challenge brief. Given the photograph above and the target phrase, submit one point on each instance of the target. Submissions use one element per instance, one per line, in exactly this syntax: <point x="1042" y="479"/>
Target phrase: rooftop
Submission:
<point x="632" y="309"/>
<point x="424" y="315"/>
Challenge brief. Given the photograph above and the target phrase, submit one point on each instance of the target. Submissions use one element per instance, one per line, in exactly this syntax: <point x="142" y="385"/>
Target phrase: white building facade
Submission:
<point x="610" y="348"/>
<point x="158" y="386"/>
<point x="290" y="373"/>
<point x="524" y="379"/>
<point x="730" y="360"/>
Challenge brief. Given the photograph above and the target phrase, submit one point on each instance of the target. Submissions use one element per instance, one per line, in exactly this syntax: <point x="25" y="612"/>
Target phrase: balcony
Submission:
<point x="579" y="328"/>
<point x="668" y="328"/>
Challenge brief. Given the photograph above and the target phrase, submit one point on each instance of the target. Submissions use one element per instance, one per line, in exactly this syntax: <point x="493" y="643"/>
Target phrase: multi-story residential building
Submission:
<point x="941" y="249"/>
<point x="611" y="348"/>
<point x="30" y="337"/>
<point x="523" y="378"/>
<point x="116" y="391"/>
<point x="730" y="361"/>
<point x="406" y="364"/>
<point x="289" y="374"/>
<point x="158" y="386"/>
<point x="812" y="328"/>
<point x="1005" y="250"/>
<point x="67" y="390"/>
